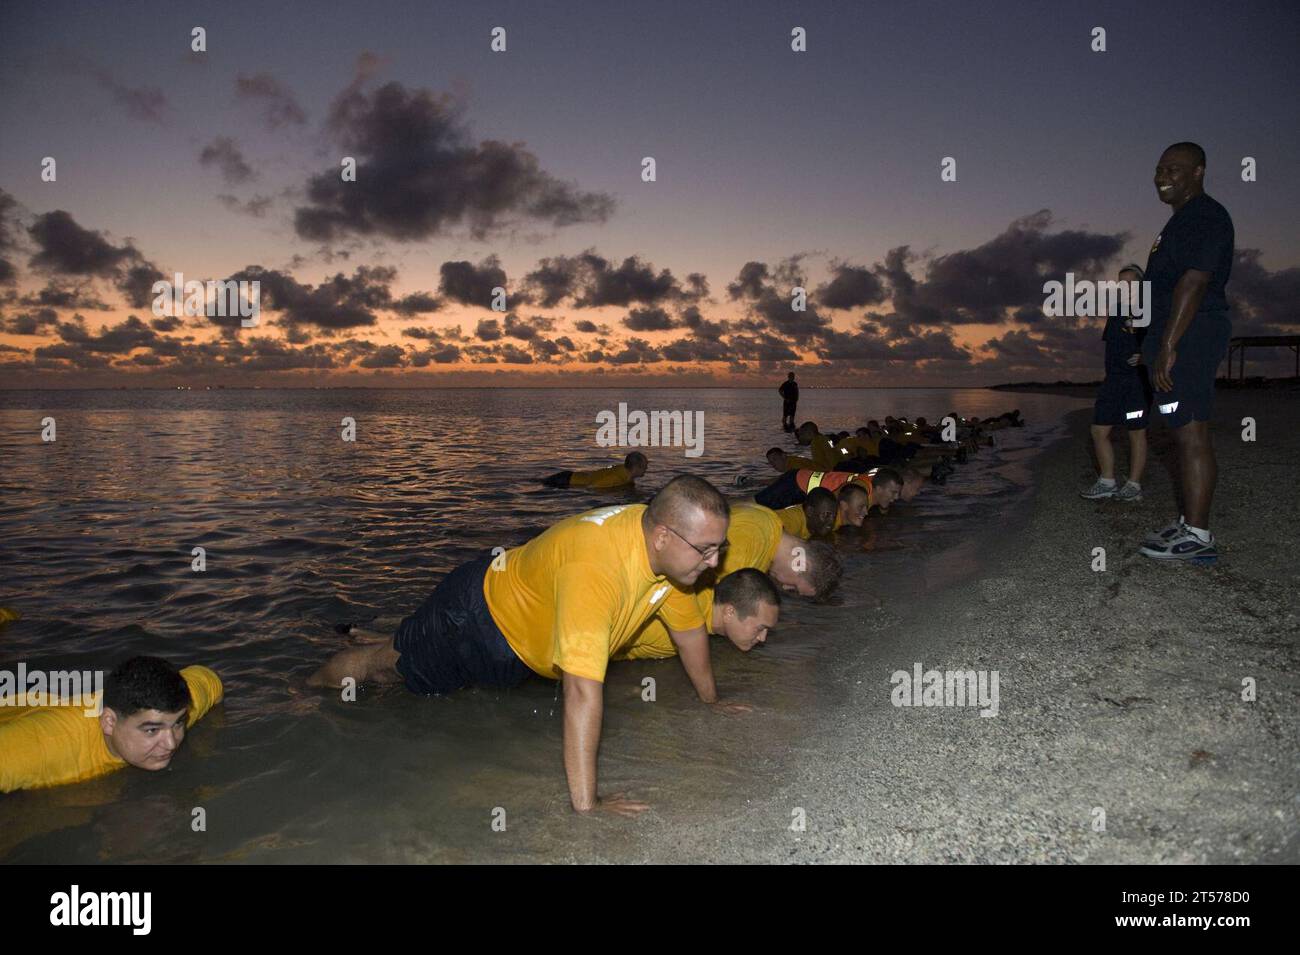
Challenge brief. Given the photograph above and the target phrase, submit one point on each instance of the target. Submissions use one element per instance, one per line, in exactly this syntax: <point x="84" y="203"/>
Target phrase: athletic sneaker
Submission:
<point x="1166" y="533"/>
<point x="1183" y="546"/>
<point x="1099" y="491"/>
<point x="1130" y="493"/>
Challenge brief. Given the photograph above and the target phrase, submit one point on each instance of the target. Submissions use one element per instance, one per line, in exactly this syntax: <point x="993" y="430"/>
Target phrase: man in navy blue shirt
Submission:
<point x="1123" y="401"/>
<point x="1188" y="338"/>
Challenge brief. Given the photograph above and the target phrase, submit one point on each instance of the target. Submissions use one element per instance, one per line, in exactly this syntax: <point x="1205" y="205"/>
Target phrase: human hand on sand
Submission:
<point x="731" y="709"/>
<point x="619" y="805"/>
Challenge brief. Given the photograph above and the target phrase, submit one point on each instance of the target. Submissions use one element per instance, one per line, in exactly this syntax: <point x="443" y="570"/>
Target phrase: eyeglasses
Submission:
<point x="707" y="552"/>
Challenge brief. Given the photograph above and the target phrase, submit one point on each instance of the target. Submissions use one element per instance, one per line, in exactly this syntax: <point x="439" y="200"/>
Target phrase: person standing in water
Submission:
<point x="789" y="401"/>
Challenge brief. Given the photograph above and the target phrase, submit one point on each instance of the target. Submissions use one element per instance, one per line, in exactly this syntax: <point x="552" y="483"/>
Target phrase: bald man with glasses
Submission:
<point x="560" y="606"/>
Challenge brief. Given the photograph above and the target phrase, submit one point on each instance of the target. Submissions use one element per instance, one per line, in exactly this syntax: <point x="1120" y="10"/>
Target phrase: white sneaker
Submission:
<point x="1099" y="491"/>
<point x="1130" y="493"/>
<point x="1168" y="532"/>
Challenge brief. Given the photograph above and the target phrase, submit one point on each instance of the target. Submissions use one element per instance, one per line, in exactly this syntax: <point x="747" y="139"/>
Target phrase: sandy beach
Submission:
<point x="1121" y="692"/>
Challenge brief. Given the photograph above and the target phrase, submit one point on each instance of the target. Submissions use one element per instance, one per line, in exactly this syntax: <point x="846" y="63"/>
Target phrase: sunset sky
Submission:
<point x="523" y="169"/>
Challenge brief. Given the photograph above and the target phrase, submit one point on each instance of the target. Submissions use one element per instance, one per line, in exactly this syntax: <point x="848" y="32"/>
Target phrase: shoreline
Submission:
<point x="1120" y="692"/>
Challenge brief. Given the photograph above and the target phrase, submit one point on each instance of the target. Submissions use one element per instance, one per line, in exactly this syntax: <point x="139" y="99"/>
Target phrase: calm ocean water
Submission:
<point x="303" y="530"/>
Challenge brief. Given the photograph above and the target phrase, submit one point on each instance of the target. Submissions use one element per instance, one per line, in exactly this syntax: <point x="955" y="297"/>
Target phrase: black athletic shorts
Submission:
<point x="782" y="492"/>
<point x="787" y="408"/>
<point x="1196" y="362"/>
<point x="1123" y="401"/>
<point x="451" y="641"/>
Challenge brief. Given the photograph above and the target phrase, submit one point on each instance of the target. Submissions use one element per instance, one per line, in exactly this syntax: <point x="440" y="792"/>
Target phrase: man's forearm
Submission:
<point x="693" y="649"/>
<point x="1188" y="293"/>
<point x="583" y="710"/>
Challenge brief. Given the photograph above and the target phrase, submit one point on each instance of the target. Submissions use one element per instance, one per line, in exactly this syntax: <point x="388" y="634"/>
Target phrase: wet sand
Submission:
<point x="1120" y="691"/>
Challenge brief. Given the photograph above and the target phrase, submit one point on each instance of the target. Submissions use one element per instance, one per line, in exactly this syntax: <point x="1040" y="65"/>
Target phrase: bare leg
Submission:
<point x="372" y="663"/>
<point x="1199" y="469"/>
<point x="1137" y="455"/>
<point x="1105" y="453"/>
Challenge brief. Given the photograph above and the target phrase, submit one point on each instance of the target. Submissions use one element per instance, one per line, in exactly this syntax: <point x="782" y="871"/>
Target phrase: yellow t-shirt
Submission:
<point x="652" y="642"/>
<point x="615" y="476"/>
<point x="794" y="521"/>
<point x="855" y="447"/>
<point x="573" y="596"/>
<point x="794" y="462"/>
<point x="52" y="745"/>
<point x="752" y="539"/>
<point x="824" y="454"/>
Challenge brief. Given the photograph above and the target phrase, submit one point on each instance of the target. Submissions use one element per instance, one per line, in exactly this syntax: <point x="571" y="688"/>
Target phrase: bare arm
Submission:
<point x="1188" y="294"/>
<point x="584" y="704"/>
<point x="693" y="648"/>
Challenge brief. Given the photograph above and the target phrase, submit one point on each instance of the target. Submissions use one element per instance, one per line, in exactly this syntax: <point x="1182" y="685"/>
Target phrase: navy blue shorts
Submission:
<point x="1196" y="362"/>
<point x="1123" y="401"/>
<point x="451" y="641"/>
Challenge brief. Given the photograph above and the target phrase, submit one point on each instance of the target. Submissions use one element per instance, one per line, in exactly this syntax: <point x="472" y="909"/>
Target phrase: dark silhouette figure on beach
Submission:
<point x="790" y="399"/>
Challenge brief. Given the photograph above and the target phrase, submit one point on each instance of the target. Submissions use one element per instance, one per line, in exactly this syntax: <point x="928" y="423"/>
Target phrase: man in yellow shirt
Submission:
<point x="824" y="455"/>
<point x="743" y="607"/>
<point x="620" y="475"/>
<point x="782" y="462"/>
<point x="815" y="517"/>
<point x="146" y="708"/>
<point x="560" y="606"/>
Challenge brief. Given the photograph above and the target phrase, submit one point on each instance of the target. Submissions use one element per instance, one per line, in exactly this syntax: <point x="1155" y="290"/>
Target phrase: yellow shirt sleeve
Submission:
<point x="794" y="462"/>
<point x="794" y="520"/>
<point x="825" y="457"/>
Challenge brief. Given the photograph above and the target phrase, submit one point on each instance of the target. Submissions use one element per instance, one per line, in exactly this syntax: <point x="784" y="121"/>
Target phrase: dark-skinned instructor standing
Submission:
<point x="1188" y="338"/>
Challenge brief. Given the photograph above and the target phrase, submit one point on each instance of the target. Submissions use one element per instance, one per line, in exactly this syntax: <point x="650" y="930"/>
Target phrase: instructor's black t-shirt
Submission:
<point x="1198" y="236"/>
<point x="789" y="391"/>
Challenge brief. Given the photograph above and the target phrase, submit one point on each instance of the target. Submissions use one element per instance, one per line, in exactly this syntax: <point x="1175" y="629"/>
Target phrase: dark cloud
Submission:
<point x="851" y="287"/>
<point x="67" y="248"/>
<point x="277" y="105"/>
<point x="385" y="356"/>
<point x="8" y="236"/>
<point x="417" y="303"/>
<point x="256" y="207"/>
<point x="223" y="152"/>
<point x="472" y="284"/>
<point x="649" y="320"/>
<point x="488" y="330"/>
<point x="58" y="295"/>
<point x="340" y="302"/>
<point x="527" y="329"/>
<point x="147" y="103"/>
<point x="39" y="322"/>
<point x="583" y="325"/>
<point x="419" y="174"/>
<point x="980" y="285"/>
<point x="1263" y="302"/>
<point x="750" y="283"/>
<point x="633" y="281"/>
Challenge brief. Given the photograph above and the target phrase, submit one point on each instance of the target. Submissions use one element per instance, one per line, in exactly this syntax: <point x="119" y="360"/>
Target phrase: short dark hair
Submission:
<point x="683" y="493"/>
<point x="819" y="494"/>
<point x="851" y="488"/>
<point x="146" y="683"/>
<point x="745" y="590"/>
<point x="887" y="476"/>
<point x="824" y="568"/>
<point x="1196" y="153"/>
<point x="634" y="458"/>
<point x="772" y="451"/>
